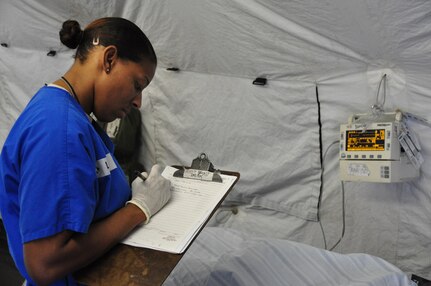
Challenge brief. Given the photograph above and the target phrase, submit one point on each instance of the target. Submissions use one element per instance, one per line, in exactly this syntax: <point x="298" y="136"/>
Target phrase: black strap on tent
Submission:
<point x="321" y="152"/>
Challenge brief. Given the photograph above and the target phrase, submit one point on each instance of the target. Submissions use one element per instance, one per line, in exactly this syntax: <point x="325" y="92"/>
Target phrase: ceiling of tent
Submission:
<point x="307" y="40"/>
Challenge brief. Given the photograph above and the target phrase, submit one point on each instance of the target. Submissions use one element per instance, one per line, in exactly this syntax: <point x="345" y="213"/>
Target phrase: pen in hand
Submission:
<point x="138" y="174"/>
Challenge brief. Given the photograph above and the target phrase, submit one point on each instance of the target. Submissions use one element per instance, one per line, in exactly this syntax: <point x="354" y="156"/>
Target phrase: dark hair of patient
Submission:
<point x="132" y="44"/>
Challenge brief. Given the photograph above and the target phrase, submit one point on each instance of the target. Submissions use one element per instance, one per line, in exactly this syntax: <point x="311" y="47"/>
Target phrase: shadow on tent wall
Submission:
<point x="421" y="281"/>
<point x="9" y="275"/>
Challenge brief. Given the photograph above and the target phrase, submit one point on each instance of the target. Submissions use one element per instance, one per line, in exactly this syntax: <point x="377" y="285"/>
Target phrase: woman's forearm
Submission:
<point x="52" y="258"/>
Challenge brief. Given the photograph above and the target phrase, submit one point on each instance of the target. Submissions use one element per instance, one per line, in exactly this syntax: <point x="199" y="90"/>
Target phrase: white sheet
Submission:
<point x="227" y="257"/>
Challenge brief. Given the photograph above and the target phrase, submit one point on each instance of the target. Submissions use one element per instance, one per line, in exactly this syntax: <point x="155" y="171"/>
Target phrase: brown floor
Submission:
<point x="9" y="275"/>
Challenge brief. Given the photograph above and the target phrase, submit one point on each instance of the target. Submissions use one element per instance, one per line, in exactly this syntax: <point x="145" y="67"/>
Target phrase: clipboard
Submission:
<point x="205" y="170"/>
<point x="197" y="191"/>
<point x="130" y="265"/>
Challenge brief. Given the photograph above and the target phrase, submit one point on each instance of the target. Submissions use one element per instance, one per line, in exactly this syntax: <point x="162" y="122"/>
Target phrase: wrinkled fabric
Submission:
<point x="270" y="134"/>
<point x="228" y="257"/>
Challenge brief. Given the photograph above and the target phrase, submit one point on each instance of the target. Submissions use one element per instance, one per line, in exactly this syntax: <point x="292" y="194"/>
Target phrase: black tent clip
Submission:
<point x="259" y="81"/>
<point x="173" y="69"/>
<point x="51" y="53"/>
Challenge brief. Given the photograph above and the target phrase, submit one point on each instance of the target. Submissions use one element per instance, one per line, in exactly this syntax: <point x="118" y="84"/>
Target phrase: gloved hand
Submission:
<point x="152" y="194"/>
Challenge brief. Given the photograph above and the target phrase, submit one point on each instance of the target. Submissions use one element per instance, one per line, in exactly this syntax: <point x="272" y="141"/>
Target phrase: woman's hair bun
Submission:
<point x="71" y="34"/>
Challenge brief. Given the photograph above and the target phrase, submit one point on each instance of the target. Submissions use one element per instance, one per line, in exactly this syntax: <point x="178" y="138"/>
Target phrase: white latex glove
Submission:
<point x="152" y="194"/>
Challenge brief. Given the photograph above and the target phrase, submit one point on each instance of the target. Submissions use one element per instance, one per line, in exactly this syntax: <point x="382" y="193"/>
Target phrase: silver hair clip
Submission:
<point x="96" y="41"/>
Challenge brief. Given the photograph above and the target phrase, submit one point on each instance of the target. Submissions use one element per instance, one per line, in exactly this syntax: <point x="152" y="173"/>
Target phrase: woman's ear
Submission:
<point x="109" y="58"/>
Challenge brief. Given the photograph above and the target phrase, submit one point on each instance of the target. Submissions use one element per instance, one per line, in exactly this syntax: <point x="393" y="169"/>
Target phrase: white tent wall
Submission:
<point x="244" y="127"/>
<point x="268" y="133"/>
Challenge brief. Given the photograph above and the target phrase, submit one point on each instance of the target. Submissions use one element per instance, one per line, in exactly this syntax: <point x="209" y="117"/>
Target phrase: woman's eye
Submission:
<point x="138" y="87"/>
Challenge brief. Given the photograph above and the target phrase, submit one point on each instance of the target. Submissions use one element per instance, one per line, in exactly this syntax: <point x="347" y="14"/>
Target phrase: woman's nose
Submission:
<point x="137" y="101"/>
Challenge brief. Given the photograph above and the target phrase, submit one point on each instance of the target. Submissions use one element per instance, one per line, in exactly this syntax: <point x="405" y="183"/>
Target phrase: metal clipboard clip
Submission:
<point x="201" y="169"/>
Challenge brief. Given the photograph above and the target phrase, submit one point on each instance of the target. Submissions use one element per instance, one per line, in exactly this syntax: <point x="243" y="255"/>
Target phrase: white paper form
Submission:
<point x="175" y="225"/>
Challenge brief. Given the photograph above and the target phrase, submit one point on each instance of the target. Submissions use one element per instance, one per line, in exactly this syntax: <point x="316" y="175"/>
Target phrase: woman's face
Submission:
<point x="120" y="89"/>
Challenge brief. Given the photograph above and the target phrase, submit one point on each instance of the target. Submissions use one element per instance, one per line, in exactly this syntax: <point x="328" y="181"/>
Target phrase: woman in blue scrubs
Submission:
<point x="64" y="198"/>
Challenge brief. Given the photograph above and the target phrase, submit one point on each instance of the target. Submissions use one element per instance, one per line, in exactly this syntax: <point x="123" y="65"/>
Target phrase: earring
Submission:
<point x="108" y="70"/>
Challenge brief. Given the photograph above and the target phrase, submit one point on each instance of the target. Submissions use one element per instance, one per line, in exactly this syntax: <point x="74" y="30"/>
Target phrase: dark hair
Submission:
<point x="132" y="44"/>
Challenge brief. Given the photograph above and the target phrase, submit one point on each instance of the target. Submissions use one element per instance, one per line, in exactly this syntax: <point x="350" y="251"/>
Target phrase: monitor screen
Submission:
<point x="365" y="140"/>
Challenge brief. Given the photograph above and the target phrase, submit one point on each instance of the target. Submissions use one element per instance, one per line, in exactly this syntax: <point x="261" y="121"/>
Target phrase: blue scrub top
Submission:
<point x="57" y="172"/>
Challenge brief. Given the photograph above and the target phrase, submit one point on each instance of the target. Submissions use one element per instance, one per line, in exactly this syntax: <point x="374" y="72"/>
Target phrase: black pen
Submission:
<point x="138" y="174"/>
